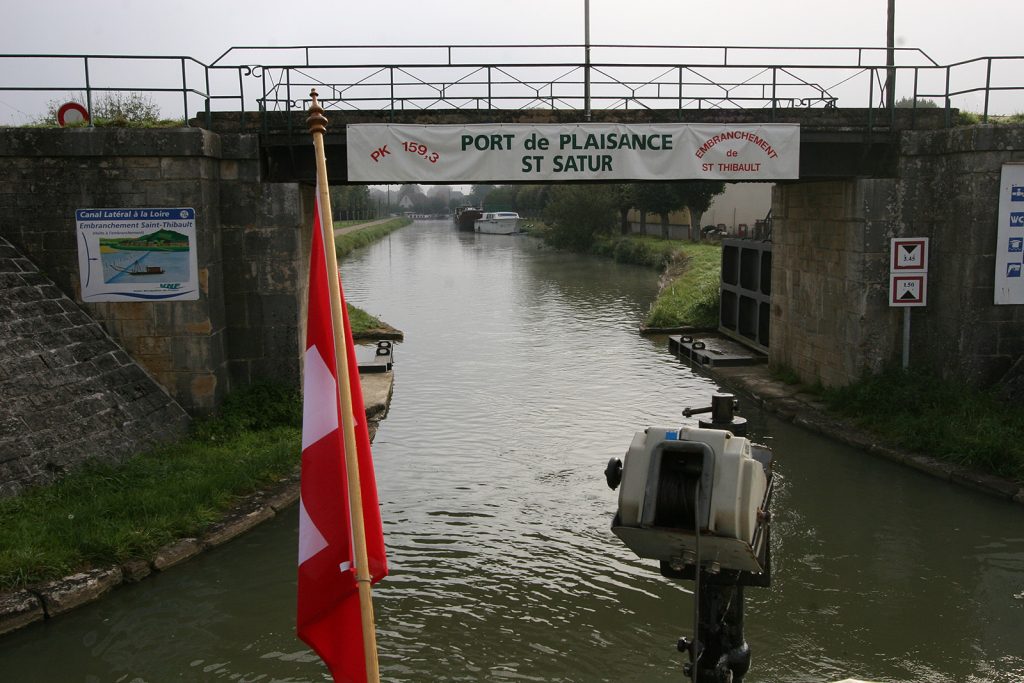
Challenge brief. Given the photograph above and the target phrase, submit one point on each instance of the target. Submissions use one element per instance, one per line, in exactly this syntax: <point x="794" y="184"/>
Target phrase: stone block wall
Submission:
<point x="249" y="246"/>
<point x="266" y="239"/>
<point x="949" y="191"/>
<point x="68" y="392"/>
<point x="831" y="320"/>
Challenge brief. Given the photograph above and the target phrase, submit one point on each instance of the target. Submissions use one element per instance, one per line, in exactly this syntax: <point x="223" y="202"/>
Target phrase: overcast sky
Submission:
<point x="948" y="31"/>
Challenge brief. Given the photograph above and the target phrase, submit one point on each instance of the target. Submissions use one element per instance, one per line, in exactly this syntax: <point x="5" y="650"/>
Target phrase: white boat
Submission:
<point x="498" y="223"/>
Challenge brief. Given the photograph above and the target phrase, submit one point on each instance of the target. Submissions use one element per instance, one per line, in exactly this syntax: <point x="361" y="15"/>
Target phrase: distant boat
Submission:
<point x="148" y="270"/>
<point x="138" y="269"/>
<point x="465" y="217"/>
<point x="498" y="223"/>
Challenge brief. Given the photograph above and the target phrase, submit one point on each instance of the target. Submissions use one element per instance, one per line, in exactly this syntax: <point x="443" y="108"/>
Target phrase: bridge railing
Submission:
<point x="38" y="83"/>
<point x="566" y="77"/>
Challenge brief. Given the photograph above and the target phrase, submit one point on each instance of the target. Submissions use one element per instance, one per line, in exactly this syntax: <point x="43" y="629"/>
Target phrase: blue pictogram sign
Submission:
<point x="1012" y="270"/>
<point x="1017" y="193"/>
<point x="1017" y="219"/>
<point x="1016" y="245"/>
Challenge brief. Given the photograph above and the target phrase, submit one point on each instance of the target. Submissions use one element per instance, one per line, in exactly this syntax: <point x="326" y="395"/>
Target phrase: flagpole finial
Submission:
<point x="317" y="122"/>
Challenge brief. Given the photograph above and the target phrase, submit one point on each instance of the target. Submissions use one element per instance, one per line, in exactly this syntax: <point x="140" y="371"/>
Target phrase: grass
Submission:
<point x="970" y="118"/>
<point x="944" y="419"/>
<point x="98" y="122"/>
<point x="691" y="298"/>
<point x="362" y="322"/>
<point x="110" y="513"/>
<point x="784" y="374"/>
<point x="349" y="242"/>
<point x="104" y="514"/>
<point x="638" y="250"/>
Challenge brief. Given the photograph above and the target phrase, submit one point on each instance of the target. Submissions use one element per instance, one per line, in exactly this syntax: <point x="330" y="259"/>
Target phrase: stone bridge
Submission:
<point x="834" y="142"/>
<point x="866" y="175"/>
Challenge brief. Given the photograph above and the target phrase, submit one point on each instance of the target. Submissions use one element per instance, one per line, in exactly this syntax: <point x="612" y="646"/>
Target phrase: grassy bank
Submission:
<point x="346" y="243"/>
<point x="639" y="250"/>
<point x="919" y="412"/>
<point x="112" y="513"/>
<point x="689" y="295"/>
<point x="364" y="324"/>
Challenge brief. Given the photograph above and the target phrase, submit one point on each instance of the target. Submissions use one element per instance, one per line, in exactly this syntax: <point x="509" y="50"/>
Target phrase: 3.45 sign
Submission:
<point x="908" y="271"/>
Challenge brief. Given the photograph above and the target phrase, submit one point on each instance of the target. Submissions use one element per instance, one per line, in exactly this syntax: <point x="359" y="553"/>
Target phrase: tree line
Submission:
<point x="576" y="213"/>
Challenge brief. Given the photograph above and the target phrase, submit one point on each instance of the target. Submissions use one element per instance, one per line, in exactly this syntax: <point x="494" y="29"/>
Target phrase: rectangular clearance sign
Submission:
<point x="383" y="153"/>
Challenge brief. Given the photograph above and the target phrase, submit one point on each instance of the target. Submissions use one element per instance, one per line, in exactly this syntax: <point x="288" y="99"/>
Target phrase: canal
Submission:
<point x="521" y="374"/>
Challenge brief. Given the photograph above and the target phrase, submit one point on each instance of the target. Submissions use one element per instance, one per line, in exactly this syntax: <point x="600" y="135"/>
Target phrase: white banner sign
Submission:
<point x="383" y="153"/>
<point x="1009" y="287"/>
<point x="137" y="254"/>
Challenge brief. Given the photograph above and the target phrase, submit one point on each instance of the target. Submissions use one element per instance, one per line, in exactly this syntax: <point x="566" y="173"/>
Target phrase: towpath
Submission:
<point x="338" y="232"/>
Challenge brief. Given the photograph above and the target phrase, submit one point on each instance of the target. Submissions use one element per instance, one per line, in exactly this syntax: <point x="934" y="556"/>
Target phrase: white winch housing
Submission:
<point x="709" y="473"/>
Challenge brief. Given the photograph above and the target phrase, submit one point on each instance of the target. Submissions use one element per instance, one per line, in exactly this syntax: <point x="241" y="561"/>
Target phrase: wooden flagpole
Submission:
<point x="317" y="126"/>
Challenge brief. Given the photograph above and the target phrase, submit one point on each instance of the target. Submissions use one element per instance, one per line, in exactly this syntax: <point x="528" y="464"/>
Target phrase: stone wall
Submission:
<point x="265" y="230"/>
<point x="831" y="321"/>
<point x="830" y="317"/>
<point x="250" y="252"/>
<point x="68" y="392"/>
<point x="949" y="190"/>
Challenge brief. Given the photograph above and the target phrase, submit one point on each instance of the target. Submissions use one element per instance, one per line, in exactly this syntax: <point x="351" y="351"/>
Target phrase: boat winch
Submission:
<point x="697" y="500"/>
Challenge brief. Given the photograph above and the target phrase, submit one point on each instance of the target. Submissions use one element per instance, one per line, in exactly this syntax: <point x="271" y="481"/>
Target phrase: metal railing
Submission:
<point x="516" y="77"/>
<point x="89" y="76"/>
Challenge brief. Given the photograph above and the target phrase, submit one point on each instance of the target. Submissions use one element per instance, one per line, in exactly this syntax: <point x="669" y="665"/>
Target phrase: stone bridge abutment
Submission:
<point x="831" y="319"/>
<point x="249" y="236"/>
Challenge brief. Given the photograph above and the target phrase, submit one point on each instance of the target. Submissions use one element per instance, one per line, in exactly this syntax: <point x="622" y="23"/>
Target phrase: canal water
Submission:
<point x="521" y="374"/>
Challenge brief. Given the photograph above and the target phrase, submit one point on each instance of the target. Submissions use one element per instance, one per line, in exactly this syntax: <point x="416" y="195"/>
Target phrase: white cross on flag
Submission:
<point x="328" y="601"/>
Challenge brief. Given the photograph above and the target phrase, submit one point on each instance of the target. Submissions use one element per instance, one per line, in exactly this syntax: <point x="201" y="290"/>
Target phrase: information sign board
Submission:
<point x="1009" y="281"/>
<point x="137" y="254"/>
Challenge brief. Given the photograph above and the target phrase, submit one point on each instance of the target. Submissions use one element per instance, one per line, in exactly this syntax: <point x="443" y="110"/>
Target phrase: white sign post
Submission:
<point x="1009" y="282"/>
<point x="908" y="281"/>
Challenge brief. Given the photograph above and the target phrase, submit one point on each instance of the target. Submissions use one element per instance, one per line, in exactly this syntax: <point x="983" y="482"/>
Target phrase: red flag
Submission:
<point x="328" y="599"/>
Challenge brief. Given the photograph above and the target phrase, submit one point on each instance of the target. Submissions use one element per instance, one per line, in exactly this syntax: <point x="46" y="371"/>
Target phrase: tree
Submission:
<point x="410" y="198"/>
<point x="456" y="199"/>
<point x="501" y="198"/>
<point x="349" y="202"/>
<point x="919" y="103"/>
<point x="479" y="193"/>
<point x="625" y="199"/>
<point x="659" y="198"/>
<point x="435" y="204"/>
<point x="531" y="199"/>
<point x="663" y="198"/>
<point x="696" y="196"/>
<point x="116" y="108"/>
<point x="578" y="213"/>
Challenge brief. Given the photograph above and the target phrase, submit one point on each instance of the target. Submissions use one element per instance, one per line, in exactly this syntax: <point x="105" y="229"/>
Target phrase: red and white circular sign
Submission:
<point x="72" y="112"/>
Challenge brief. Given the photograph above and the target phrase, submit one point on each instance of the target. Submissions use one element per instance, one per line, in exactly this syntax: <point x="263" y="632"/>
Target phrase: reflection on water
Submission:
<point x="520" y="376"/>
